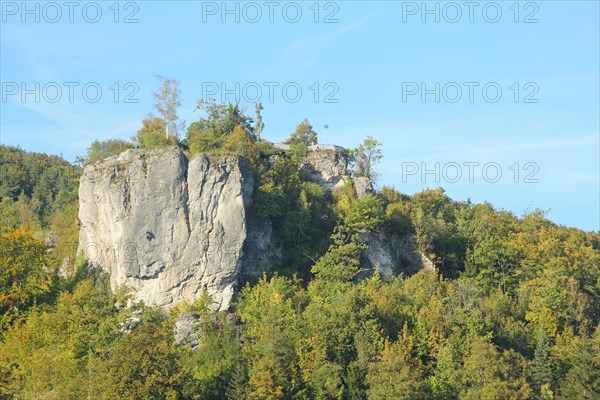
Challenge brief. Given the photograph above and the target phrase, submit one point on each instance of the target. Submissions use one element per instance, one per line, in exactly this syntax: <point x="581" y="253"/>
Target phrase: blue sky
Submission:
<point x="362" y="68"/>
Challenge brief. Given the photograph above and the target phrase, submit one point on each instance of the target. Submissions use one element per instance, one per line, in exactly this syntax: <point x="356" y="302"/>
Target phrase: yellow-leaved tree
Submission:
<point x="26" y="273"/>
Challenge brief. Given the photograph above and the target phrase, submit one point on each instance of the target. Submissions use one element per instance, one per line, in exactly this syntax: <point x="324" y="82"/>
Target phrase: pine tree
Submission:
<point x="304" y="134"/>
<point x="236" y="388"/>
<point x="542" y="371"/>
<point x="355" y="381"/>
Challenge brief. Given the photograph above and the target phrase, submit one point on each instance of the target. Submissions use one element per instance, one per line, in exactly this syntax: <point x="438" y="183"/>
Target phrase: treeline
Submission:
<point x="39" y="195"/>
<point x="35" y="187"/>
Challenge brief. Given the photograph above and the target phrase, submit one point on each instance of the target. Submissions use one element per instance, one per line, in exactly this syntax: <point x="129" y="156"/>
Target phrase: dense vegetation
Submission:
<point x="512" y="311"/>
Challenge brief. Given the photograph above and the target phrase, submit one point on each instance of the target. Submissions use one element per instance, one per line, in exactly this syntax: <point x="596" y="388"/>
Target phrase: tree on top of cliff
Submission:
<point x="152" y="135"/>
<point x="167" y="103"/>
<point x="223" y="118"/>
<point x="209" y="133"/>
<point x="366" y="155"/>
<point x="259" y="125"/>
<point x="304" y="133"/>
<point x="239" y="142"/>
<point x="99" y="150"/>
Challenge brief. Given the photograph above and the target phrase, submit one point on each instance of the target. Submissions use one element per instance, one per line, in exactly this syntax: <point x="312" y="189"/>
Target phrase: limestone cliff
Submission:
<point x="165" y="226"/>
<point x="169" y="227"/>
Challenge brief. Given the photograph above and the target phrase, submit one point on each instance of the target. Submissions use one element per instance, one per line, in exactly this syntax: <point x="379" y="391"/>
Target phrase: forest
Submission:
<point x="511" y="312"/>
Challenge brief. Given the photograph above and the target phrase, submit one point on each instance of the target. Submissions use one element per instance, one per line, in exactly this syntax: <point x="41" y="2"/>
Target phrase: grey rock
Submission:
<point x="187" y="330"/>
<point x="262" y="252"/>
<point x="166" y="227"/>
<point x="394" y="254"/>
<point x="67" y="267"/>
<point x="363" y="186"/>
<point x="328" y="168"/>
<point x="129" y="325"/>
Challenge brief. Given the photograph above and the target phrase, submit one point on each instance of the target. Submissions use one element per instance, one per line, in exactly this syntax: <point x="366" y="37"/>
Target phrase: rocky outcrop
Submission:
<point x="328" y="168"/>
<point x="167" y="227"/>
<point x="170" y="228"/>
<point x="393" y="254"/>
<point x="363" y="186"/>
<point x="187" y="330"/>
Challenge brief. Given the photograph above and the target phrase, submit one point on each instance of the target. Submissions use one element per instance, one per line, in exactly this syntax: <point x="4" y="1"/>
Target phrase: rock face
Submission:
<point x="186" y="330"/>
<point x="394" y="254"/>
<point x="328" y="168"/>
<point x="170" y="228"/>
<point x="166" y="227"/>
<point x="262" y="252"/>
<point x="363" y="186"/>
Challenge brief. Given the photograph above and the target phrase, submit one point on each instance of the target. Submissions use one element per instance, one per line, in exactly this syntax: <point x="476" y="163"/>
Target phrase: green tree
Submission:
<point x="55" y="351"/>
<point x="356" y="377"/>
<point x="38" y="184"/>
<point x="100" y="150"/>
<point x="366" y="156"/>
<point x="398" y="218"/>
<point x="27" y="274"/>
<point x="202" y="140"/>
<point x="18" y="214"/>
<point x="217" y="366"/>
<point x="433" y="216"/>
<point x="143" y="364"/>
<point x="304" y="133"/>
<point x="269" y="313"/>
<point x="209" y="133"/>
<point x="396" y="375"/>
<point x="238" y="383"/>
<point x="490" y="375"/>
<point x="223" y="118"/>
<point x="152" y="134"/>
<point x="366" y="213"/>
<point x="259" y="125"/>
<point x="446" y="379"/>
<point x="341" y="263"/>
<point x="542" y="370"/>
<point x="326" y="382"/>
<point x="300" y="212"/>
<point x="582" y="380"/>
<point x="167" y="103"/>
<point x="240" y="142"/>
